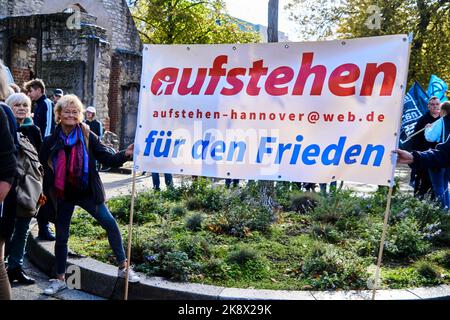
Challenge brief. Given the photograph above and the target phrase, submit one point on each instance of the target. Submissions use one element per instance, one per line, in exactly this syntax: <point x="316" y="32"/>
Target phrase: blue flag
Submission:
<point x="437" y="87"/>
<point x="414" y="106"/>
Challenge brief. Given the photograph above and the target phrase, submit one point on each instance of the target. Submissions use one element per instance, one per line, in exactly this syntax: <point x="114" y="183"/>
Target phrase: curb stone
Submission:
<point x="100" y="279"/>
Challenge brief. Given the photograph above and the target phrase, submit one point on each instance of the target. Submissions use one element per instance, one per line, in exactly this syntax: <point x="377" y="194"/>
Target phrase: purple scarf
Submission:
<point x="77" y="173"/>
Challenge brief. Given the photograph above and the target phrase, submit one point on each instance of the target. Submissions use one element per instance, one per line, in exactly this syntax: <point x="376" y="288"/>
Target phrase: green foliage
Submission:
<point x="196" y="247"/>
<point x="241" y="245"/>
<point x="326" y="267"/>
<point x="427" y="20"/>
<point x="148" y="206"/>
<point x="326" y="232"/>
<point x="195" y="221"/>
<point x="84" y="225"/>
<point x="189" y="22"/>
<point x="242" y="256"/>
<point x="304" y="202"/>
<point x="178" y="211"/>
<point x="446" y="261"/>
<point x="177" y="266"/>
<point x="193" y="204"/>
<point x="240" y="219"/>
<point x="428" y="270"/>
<point x="406" y="240"/>
<point x="216" y="269"/>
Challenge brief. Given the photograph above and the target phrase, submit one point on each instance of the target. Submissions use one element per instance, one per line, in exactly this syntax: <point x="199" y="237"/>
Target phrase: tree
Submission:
<point x="188" y="22"/>
<point x="428" y="20"/>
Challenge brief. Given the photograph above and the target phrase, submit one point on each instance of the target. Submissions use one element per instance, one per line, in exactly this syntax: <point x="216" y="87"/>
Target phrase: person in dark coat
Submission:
<point x="8" y="171"/>
<point x="95" y="125"/>
<point x="432" y="158"/>
<point x="44" y="118"/>
<point x="422" y="184"/>
<point x="69" y="157"/>
<point x="20" y="104"/>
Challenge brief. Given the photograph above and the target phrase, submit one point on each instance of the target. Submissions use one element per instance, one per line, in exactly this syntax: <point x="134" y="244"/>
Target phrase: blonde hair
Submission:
<point x="18" y="98"/>
<point x="4" y="86"/>
<point x="69" y="100"/>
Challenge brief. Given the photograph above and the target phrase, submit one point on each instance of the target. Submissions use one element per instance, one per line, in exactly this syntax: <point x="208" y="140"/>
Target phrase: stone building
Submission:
<point x="87" y="47"/>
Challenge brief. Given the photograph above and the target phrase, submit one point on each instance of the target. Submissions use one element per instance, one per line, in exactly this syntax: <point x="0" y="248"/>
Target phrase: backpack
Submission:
<point x="30" y="179"/>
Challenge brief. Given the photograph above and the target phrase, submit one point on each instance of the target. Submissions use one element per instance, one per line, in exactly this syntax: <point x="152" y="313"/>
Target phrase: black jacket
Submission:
<point x="33" y="133"/>
<point x="8" y="171"/>
<point x="8" y="161"/>
<point x="434" y="158"/>
<point x="96" y="151"/>
<point x="44" y="116"/>
<point x="419" y="143"/>
<point x="95" y="126"/>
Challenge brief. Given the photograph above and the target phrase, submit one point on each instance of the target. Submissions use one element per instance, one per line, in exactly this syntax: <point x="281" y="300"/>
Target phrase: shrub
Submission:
<point x="242" y="256"/>
<point x="195" y="221"/>
<point x="120" y="208"/>
<point x="304" y="202"/>
<point x="240" y="219"/>
<point x="428" y="270"/>
<point x="405" y="240"/>
<point x="446" y="260"/>
<point x="215" y="269"/>
<point x="178" y="211"/>
<point x="195" y="247"/>
<point x="177" y="266"/>
<point x="326" y="231"/>
<point x="328" y="268"/>
<point x="193" y="204"/>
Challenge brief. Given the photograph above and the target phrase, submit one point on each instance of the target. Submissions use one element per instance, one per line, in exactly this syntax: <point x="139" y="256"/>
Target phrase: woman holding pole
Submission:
<point x="69" y="156"/>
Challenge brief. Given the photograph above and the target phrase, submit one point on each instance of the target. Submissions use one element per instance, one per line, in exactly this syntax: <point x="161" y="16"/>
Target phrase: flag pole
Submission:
<point x="391" y="185"/>
<point x="130" y="231"/>
<point x="383" y="237"/>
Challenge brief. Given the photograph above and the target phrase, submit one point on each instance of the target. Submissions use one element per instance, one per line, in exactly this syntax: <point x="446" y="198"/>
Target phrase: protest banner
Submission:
<point x="316" y="111"/>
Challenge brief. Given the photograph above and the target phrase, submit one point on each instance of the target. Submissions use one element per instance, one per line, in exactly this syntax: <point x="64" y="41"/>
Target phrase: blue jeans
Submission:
<point x="229" y="181"/>
<point x="18" y="242"/>
<point x="323" y="187"/>
<point x="156" y="182"/>
<point x="101" y="213"/>
<point x="439" y="180"/>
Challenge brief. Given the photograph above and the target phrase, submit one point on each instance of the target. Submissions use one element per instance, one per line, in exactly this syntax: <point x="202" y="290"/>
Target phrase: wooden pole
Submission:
<point x="130" y="231"/>
<point x="383" y="237"/>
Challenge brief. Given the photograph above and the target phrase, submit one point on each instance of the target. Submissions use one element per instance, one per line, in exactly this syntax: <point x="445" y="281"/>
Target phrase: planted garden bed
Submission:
<point x="204" y="233"/>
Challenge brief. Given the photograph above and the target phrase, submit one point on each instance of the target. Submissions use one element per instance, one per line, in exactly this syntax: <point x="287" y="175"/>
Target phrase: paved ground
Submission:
<point x="118" y="184"/>
<point x="34" y="292"/>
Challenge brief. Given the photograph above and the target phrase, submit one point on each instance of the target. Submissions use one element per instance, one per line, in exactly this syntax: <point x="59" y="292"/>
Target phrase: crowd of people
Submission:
<point x="432" y="130"/>
<point x="68" y="148"/>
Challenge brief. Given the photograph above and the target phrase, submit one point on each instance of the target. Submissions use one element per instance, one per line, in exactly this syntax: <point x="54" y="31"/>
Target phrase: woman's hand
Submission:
<point x="404" y="157"/>
<point x="129" y="151"/>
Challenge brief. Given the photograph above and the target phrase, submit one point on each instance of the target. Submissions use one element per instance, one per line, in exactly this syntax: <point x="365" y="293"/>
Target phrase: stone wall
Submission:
<point x="101" y="62"/>
<point x="113" y="15"/>
<point x="125" y="34"/>
<point x="126" y="68"/>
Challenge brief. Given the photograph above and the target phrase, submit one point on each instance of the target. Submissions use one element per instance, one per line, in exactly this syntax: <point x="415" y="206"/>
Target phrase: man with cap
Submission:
<point x="95" y="125"/>
<point x="57" y="94"/>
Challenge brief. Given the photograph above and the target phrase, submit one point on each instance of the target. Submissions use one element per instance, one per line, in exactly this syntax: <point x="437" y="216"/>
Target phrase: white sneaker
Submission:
<point x="55" y="286"/>
<point x="132" y="276"/>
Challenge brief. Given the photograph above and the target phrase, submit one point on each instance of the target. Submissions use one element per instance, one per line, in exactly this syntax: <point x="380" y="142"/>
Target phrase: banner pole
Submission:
<point x="383" y="237"/>
<point x="130" y="231"/>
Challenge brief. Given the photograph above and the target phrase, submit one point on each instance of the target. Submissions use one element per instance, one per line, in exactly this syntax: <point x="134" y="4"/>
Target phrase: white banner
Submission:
<point x="310" y="111"/>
